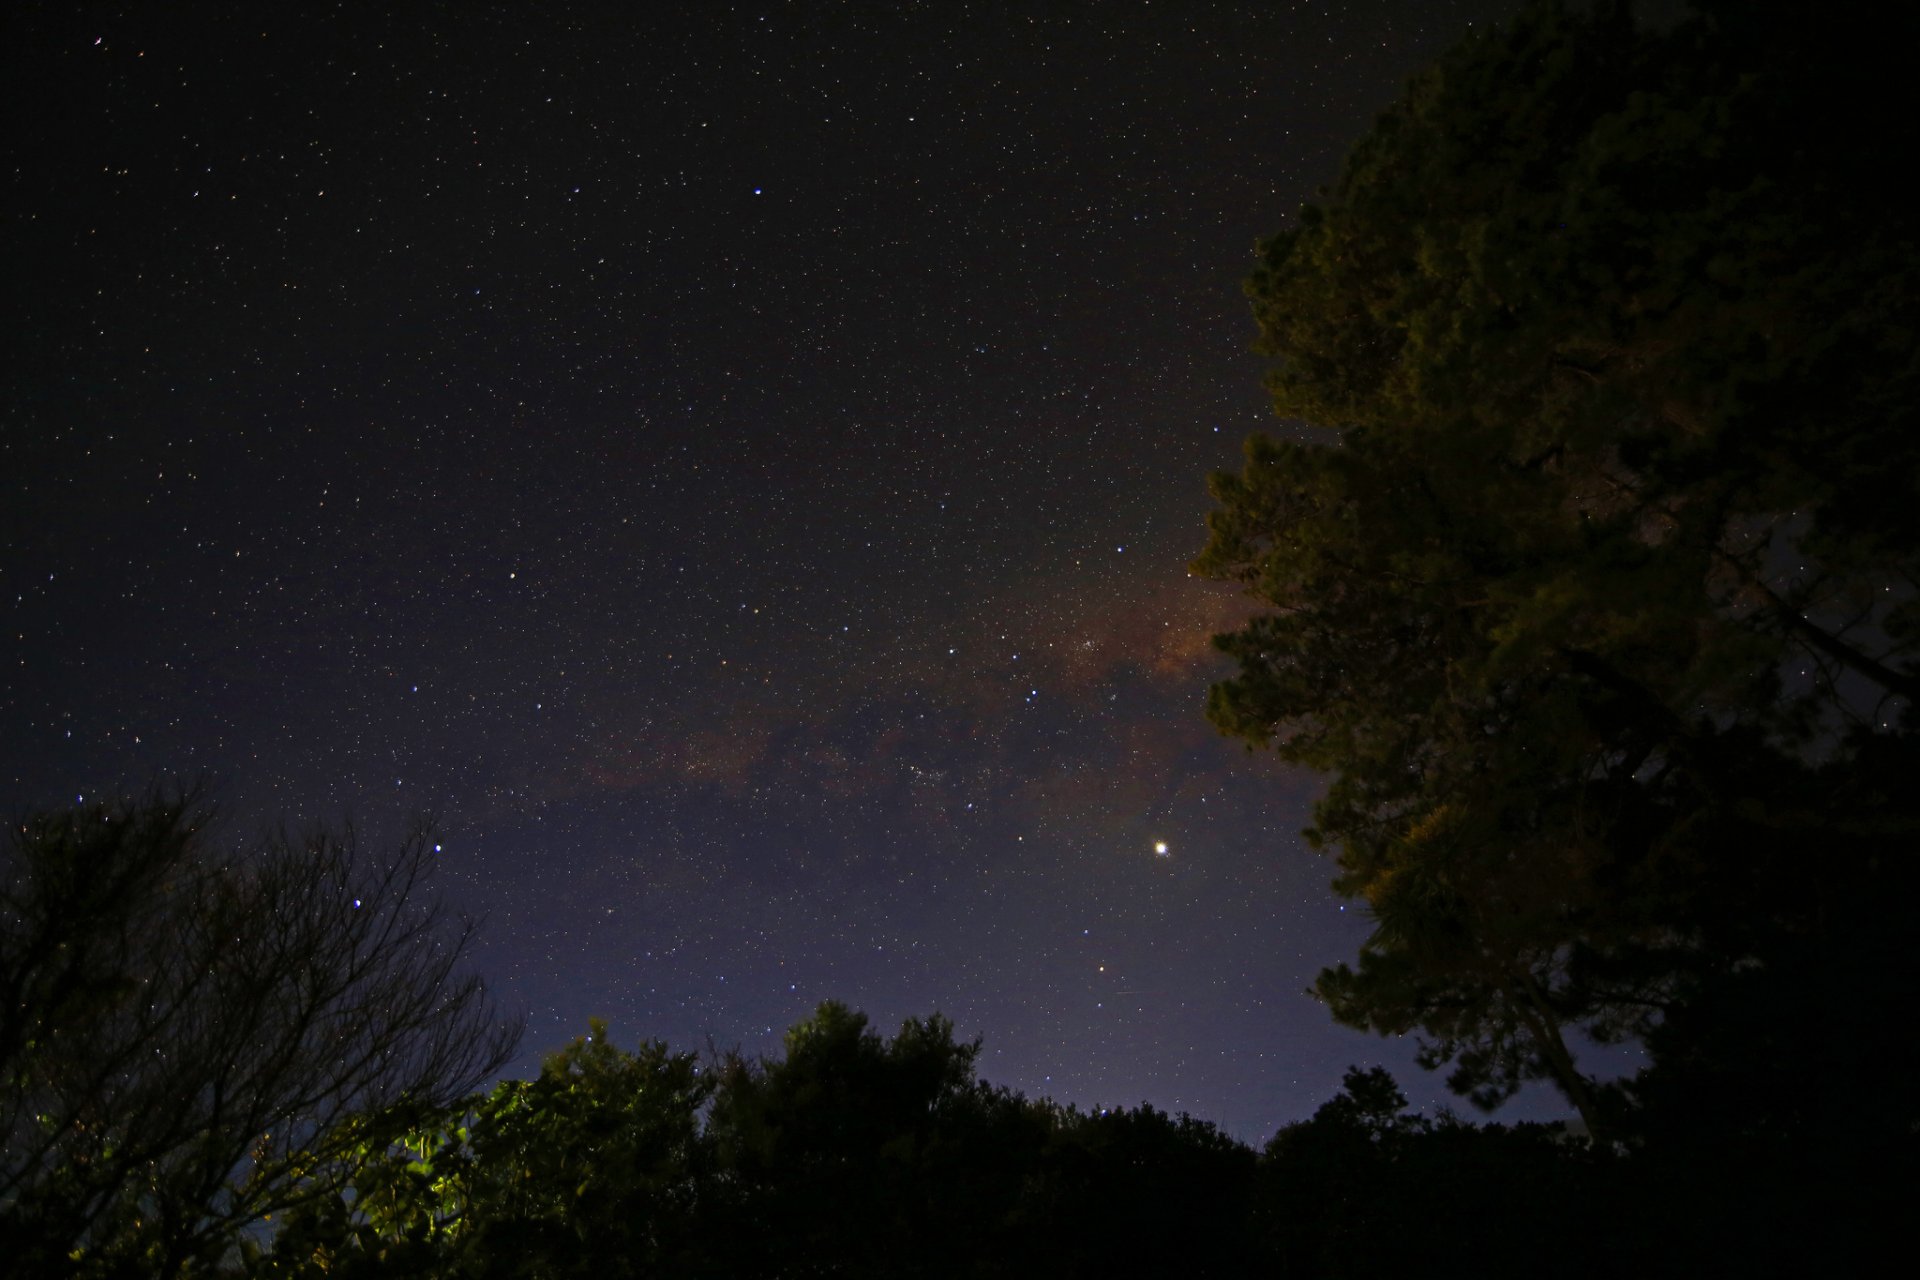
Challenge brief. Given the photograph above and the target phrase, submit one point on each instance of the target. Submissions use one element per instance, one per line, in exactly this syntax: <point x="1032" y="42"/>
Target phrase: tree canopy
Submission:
<point x="1596" y="589"/>
<point x="852" y="1154"/>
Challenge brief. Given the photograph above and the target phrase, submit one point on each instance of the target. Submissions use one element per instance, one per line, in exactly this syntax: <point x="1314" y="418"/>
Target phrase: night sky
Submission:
<point x="736" y="467"/>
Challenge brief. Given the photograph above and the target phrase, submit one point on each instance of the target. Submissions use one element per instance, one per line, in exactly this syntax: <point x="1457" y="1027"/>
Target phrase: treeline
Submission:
<point x="237" y="1059"/>
<point x="260" y="1060"/>
<point x="857" y="1155"/>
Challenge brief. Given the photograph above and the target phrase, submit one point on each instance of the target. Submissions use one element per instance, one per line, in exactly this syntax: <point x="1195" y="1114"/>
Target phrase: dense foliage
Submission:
<point x="855" y="1155"/>
<point x="1595" y="586"/>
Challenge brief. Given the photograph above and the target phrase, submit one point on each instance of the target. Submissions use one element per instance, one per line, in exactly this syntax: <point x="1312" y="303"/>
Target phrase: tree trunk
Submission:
<point x="1545" y="1028"/>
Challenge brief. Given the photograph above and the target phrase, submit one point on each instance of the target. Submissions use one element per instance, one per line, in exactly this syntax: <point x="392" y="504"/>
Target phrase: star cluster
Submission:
<point x="735" y="467"/>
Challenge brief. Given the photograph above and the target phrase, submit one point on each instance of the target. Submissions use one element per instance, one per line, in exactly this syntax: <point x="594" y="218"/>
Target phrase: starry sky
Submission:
<point x="735" y="466"/>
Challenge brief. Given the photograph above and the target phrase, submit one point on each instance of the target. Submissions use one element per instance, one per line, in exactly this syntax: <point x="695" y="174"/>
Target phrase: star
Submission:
<point x="723" y="778"/>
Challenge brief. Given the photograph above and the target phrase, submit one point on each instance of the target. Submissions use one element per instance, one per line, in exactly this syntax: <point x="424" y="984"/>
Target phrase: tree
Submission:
<point x="1366" y="1188"/>
<point x="190" y="1029"/>
<point x="1604" y="579"/>
<point x="853" y="1154"/>
<point x="1133" y="1190"/>
<point x="597" y="1166"/>
<point x="859" y="1155"/>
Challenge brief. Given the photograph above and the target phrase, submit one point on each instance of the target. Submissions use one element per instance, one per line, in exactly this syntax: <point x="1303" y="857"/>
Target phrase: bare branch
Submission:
<point x="186" y="1027"/>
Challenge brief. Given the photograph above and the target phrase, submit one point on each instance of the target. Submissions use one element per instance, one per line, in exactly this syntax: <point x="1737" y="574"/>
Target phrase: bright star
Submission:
<point x="1160" y="847"/>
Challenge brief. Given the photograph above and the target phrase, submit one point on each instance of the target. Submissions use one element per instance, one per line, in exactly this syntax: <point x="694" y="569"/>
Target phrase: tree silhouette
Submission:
<point x="1607" y="583"/>
<point x="190" y="1029"/>
<point x="859" y="1155"/>
<point x="851" y="1155"/>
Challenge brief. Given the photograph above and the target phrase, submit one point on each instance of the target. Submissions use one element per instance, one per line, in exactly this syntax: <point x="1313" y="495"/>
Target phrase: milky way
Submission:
<point x="737" y="471"/>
